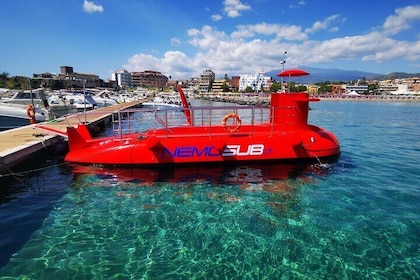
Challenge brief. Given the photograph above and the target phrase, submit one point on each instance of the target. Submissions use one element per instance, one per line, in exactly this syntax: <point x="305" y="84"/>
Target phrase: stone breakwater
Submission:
<point x="390" y="98"/>
<point x="265" y="99"/>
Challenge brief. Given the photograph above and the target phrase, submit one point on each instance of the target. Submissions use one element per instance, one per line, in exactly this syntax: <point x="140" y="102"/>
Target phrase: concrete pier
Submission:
<point x="16" y="145"/>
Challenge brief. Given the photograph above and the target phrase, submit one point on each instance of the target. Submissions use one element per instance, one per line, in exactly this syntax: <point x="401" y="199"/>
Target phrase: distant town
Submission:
<point x="206" y="82"/>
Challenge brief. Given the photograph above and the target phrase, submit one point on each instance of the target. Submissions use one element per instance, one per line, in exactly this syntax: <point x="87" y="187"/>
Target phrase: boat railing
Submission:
<point x="129" y="121"/>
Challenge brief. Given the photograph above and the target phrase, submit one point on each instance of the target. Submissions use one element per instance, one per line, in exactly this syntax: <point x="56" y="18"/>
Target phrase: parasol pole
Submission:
<point x="283" y="63"/>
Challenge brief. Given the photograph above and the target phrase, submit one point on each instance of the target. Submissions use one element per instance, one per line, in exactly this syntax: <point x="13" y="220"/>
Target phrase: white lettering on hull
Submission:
<point x="235" y="150"/>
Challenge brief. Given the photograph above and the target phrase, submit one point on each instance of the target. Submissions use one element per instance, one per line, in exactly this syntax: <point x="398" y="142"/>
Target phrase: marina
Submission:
<point x="20" y="143"/>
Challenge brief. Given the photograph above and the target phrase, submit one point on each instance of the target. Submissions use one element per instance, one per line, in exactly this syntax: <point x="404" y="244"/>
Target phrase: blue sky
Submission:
<point x="181" y="38"/>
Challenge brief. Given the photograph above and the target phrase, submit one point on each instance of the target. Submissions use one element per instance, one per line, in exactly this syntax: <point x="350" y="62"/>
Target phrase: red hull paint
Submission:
<point x="285" y="136"/>
<point x="203" y="149"/>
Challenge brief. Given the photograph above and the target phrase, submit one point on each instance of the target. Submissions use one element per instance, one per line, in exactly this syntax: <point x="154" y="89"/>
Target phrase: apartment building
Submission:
<point x="257" y="81"/>
<point x="148" y="78"/>
<point x="122" y="78"/>
<point x="206" y="81"/>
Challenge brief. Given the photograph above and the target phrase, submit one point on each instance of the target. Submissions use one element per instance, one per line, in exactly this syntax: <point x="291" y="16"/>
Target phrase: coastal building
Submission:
<point x="412" y="84"/>
<point x="122" y="78"/>
<point x="76" y="80"/>
<point x="338" y="89"/>
<point x="234" y="83"/>
<point x="218" y="85"/>
<point x="148" y="78"/>
<point x="206" y="81"/>
<point x="312" y="89"/>
<point x="79" y="80"/>
<point x="193" y="84"/>
<point x="257" y="82"/>
<point x="70" y="79"/>
<point x="361" y="89"/>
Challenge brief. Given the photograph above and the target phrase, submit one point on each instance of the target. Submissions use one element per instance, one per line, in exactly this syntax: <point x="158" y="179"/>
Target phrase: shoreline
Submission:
<point x="266" y="99"/>
<point x="376" y="98"/>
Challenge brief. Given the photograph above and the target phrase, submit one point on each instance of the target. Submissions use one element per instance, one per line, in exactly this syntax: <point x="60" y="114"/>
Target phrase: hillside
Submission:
<point x="397" y="75"/>
<point x="332" y="75"/>
<point x="336" y="75"/>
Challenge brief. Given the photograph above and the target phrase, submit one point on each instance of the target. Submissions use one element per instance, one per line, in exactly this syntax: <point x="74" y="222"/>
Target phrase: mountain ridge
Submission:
<point x="337" y="75"/>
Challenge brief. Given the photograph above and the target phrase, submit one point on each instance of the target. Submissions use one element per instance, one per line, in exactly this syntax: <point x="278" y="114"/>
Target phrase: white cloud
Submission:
<point x="175" y="42"/>
<point x="299" y="4"/>
<point x="288" y="32"/>
<point x="216" y="17"/>
<point x="141" y="62"/>
<point x="234" y="8"/>
<point x="333" y="29"/>
<point x="206" y="38"/>
<point x="260" y="47"/>
<point x="173" y="63"/>
<point x="401" y="20"/>
<point x="410" y="51"/>
<point x="325" y="24"/>
<point x="90" y="7"/>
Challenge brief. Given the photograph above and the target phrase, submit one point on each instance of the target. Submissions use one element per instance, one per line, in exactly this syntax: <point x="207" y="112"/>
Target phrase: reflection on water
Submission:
<point x="221" y="174"/>
<point x="138" y="222"/>
<point x="283" y="179"/>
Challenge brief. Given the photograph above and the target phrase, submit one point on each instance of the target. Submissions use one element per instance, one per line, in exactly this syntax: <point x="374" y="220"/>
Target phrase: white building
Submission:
<point x="206" y="80"/>
<point x="357" y="88"/>
<point x="123" y="78"/>
<point x="257" y="82"/>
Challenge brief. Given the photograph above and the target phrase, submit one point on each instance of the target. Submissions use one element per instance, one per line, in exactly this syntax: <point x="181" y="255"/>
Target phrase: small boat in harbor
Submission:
<point x="51" y="102"/>
<point x="164" y="100"/>
<point x="153" y="104"/>
<point x="159" y="102"/>
<point x="204" y="135"/>
<point x="17" y="115"/>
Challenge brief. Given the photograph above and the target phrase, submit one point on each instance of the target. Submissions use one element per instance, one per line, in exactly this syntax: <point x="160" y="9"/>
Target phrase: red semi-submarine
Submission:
<point x="204" y="135"/>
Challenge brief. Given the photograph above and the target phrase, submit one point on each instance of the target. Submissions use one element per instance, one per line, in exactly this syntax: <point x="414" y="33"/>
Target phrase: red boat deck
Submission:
<point x="207" y="134"/>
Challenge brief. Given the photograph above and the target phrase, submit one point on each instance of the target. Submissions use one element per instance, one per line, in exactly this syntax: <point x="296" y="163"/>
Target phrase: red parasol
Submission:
<point x="292" y="73"/>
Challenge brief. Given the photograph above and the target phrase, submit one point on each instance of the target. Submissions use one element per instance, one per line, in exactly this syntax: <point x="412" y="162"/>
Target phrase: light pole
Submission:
<point x="283" y="63"/>
<point x="84" y="95"/>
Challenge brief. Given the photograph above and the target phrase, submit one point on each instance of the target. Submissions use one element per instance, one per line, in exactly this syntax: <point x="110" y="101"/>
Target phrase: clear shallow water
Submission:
<point x="357" y="218"/>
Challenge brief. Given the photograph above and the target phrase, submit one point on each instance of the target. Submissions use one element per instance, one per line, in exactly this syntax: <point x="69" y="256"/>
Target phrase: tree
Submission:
<point x="3" y="79"/>
<point x="293" y="87"/>
<point x="18" y="82"/>
<point x="275" y="87"/>
<point x="56" y="84"/>
<point x="35" y="83"/>
<point x="225" y="87"/>
<point x="248" y="89"/>
<point x="4" y="76"/>
<point x="363" y="81"/>
<point x="325" y="89"/>
<point x="373" y="88"/>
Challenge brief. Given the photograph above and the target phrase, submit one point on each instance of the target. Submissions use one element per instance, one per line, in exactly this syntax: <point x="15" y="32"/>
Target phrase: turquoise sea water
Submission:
<point x="356" y="218"/>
